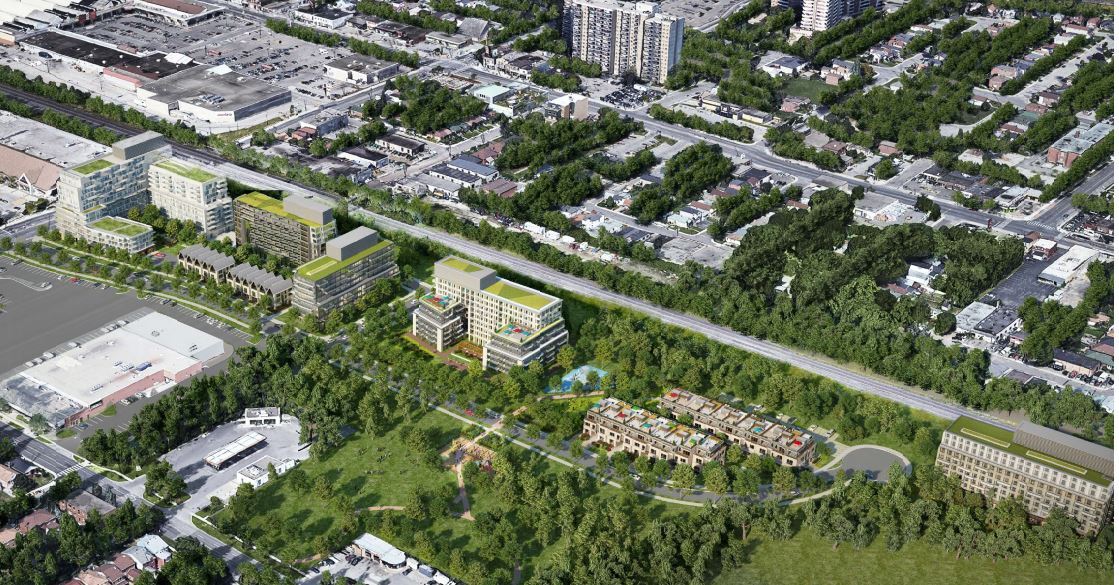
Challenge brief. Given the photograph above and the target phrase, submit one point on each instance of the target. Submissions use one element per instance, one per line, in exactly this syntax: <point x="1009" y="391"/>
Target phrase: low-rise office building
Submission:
<point x="1047" y="469"/>
<point x="758" y="435"/>
<point x="621" y="426"/>
<point x="187" y="192"/>
<point x="352" y="263"/>
<point x="296" y="228"/>
<point x="513" y="324"/>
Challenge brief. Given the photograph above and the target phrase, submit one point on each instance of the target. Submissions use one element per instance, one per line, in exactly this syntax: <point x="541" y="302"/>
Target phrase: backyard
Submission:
<point x="809" y="88"/>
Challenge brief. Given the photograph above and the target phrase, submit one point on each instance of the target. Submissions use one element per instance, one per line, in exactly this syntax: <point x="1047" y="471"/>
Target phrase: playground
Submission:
<point x="581" y="374"/>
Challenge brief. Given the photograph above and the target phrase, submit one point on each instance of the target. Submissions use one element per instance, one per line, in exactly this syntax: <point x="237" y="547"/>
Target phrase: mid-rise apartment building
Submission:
<point x="187" y="192"/>
<point x="1073" y="145"/>
<point x="296" y="228"/>
<point x="756" y="434"/>
<point x="1047" y="469"/>
<point x="352" y="263"/>
<point x="818" y="15"/>
<point x="621" y="426"/>
<point x="107" y="187"/>
<point x="624" y="37"/>
<point x="513" y="324"/>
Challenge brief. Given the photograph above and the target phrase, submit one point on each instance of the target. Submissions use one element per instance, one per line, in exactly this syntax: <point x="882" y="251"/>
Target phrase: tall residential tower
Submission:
<point x="624" y="37"/>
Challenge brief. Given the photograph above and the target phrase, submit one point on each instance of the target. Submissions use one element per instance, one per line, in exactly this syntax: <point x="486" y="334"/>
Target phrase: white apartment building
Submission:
<point x="624" y="37"/>
<point x="187" y="192"/>
<point x="818" y="15"/>
<point x="107" y="186"/>
<point x="514" y="325"/>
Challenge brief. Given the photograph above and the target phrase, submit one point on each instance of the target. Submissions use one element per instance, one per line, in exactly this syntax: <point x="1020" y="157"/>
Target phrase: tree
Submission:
<point x="944" y="323"/>
<point x="783" y="481"/>
<point x="39" y="424"/>
<point x="683" y="477"/>
<point x="885" y="169"/>
<point x="715" y="478"/>
<point x="565" y="357"/>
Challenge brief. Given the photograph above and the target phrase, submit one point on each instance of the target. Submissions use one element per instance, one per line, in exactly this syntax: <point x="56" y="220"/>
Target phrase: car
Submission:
<point x="74" y="279"/>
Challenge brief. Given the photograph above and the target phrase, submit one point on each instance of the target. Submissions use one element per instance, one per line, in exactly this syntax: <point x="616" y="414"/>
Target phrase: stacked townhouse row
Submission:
<point x="620" y="426"/>
<point x="1047" y="469"/>
<point x="758" y="435"/>
<point x="624" y="37"/>
<point x="248" y="280"/>
<point x="514" y="325"/>
<point x="352" y="263"/>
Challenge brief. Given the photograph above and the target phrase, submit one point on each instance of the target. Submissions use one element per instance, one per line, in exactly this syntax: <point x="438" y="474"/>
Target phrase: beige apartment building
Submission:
<point x="1048" y="469"/>
<point x="624" y="37"/>
<point x="789" y="446"/>
<point x="296" y="228"/>
<point x="513" y="324"/>
<point x="352" y="263"/>
<point x="187" y="192"/>
<point x="620" y="426"/>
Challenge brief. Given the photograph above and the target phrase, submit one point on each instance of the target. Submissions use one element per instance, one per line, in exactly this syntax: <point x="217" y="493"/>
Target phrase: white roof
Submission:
<point x="388" y="553"/>
<point x="173" y="334"/>
<point x="1071" y="261"/>
<point x="234" y="448"/>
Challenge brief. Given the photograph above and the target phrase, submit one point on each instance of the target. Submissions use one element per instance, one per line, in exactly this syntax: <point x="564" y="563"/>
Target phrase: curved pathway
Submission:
<point x="874" y="460"/>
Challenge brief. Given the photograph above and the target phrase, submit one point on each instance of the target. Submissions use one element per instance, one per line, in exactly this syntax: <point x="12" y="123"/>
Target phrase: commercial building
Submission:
<point x="33" y="154"/>
<point x="107" y="187"/>
<point x="352" y="263"/>
<point x="513" y="324"/>
<point x="399" y="145"/>
<point x="789" y="446"/>
<point x="216" y="95"/>
<point x="1072" y="146"/>
<point x="570" y="106"/>
<point x="234" y="450"/>
<point x="621" y="426"/>
<point x="1064" y="268"/>
<point x="262" y="416"/>
<point x="296" y="228"/>
<point x="1047" y="469"/>
<point x="145" y="355"/>
<point x="187" y="192"/>
<point x="322" y="18"/>
<point x="177" y="12"/>
<point x="368" y="546"/>
<point x="624" y="37"/>
<point x="818" y="15"/>
<point x="360" y="70"/>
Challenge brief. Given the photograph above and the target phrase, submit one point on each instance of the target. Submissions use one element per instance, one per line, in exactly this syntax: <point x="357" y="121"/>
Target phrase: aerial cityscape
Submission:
<point x="544" y="292"/>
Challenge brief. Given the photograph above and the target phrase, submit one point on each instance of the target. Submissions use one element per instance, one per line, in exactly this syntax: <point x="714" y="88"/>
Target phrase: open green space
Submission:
<point x="121" y="226"/>
<point x="807" y="558"/>
<point x="809" y="88"/>
<point x="370" y="470"/>
<point x="92" y="166"/>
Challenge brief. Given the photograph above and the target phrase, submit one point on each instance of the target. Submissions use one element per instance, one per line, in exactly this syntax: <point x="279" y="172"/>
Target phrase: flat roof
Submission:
<point x="92" y="166"/>
<point x="463" y="265"/>
<point x="75" y="46"/>
<point x="218" y="89"/>
<point x="178" y="6"/>
<point x="120" y="226"/>
<point x="324" y="266"/>
<point x="174" y="335"/>
<point x="188" y="171"/>
<point x="519" y="294"/>
<point x="274" y="206"/>
<point x="46" y="142"/>
<point x="1003" y="440"/>
<point x="221" y="455"/>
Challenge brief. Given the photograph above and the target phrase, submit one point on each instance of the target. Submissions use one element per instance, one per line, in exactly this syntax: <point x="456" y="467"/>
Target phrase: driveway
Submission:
<point x="873" y="460"/>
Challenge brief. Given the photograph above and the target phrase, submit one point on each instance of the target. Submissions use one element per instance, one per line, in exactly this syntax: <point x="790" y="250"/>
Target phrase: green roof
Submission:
<point x="460" y="264"/>
<point x="119" y="225"/>
<point x="1003" y="440"/>
<point x="92" y="166"/>
<point x="324" y="266"/>
<point x="191" y="172"/>
<point x="518" y="294"/>
<point x="274" y="206"/>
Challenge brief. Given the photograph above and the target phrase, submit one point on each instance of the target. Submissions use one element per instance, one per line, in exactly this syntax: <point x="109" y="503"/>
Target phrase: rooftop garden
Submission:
<point x="191" y="172"/>
<point x="92" y="166"/>
<point x="120" y="226"/>
<point x="324" y="266"/>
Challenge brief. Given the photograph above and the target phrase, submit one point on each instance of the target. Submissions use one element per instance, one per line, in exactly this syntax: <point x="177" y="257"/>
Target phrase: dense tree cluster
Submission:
<point x="517" y="17"/>
<point x="537" y="142"/>
<point x="428" y="105"/>
<point x="790" y="144"/>
<point x="423" y="19"/>
<point x="726" y="129"/>
<point x="1100" y="204"/>
<point x="686" y="175"/>
<point x="319" y="37"/>
<point x="567" y="185"/>
<point x="44" y="558"/>
<point x="567" y="82"/>
<point x="738" y="210"/>
<point x="547" y="39"/>
<point x="168" y="230"/>
<point x="1050" y="324"/>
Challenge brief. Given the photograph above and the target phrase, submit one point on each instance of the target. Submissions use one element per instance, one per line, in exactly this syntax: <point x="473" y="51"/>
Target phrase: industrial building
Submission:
<point x="352" y="263"/>
<point x="113" y="62"/>
<point x="624" y="37"/>
<point x="1047" y="469"/>
<point x="514" y="325"/>
<point x="187" y="192"/>
<point x="296" y="228"/>
<point x="621" y="426"/>
<point x="789" y="446"/>
<point x="217" y="95"/>
<point x="145" y="355"/>
<point x="106" y="188"/>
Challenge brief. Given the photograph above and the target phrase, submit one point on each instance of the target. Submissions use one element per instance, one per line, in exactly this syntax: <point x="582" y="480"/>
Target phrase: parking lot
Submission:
<point x="241" y="44"/>
<point x="1022" y="283"/>
<point x="281" y="442"/>
<point x="363" y="571"/>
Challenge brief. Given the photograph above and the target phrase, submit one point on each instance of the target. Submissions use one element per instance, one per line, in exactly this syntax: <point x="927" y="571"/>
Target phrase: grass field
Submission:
<point x="809" y="88"/>
<point x="373" y="471"/>
<point x="776" y="563"/>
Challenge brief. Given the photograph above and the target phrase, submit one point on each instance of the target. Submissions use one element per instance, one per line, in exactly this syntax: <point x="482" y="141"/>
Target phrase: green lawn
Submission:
<point x="119" y="225"/>
<point x="357" y="470"/>
<point x="188" y="171"/>
<point x="809" y="88"/>
<point x="92" y="166"/>
<point x="808" y="559"/>
<point x="110" y="411"/>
